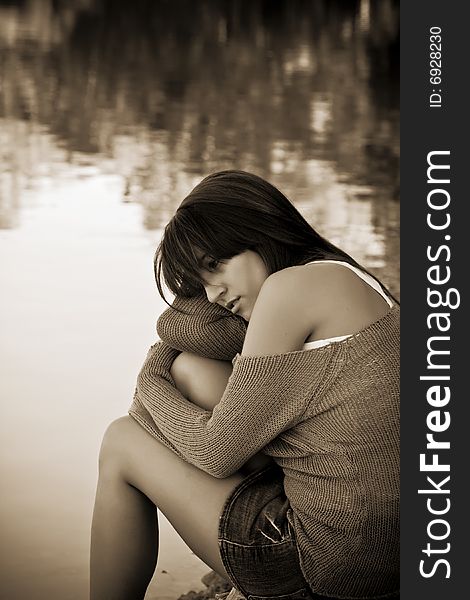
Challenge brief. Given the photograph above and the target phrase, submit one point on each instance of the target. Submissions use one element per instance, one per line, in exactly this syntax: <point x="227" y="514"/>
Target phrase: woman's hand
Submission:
<point x="198" y="326"/>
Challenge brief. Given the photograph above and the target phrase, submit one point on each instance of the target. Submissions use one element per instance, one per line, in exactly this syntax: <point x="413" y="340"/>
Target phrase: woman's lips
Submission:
<point x="233" y="305"/>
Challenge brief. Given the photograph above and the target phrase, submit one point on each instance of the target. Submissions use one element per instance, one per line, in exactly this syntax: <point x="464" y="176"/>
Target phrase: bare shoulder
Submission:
<point x="344" y="302"/>
<point x="332" y="278"/>
<point x="282" y="317"/>
<point x="317" y="285"/>
<point x="287" y="291"/>
<point x="310" y="302"/>
<point x="283" y="280"/>
<point x="329" y="279"/>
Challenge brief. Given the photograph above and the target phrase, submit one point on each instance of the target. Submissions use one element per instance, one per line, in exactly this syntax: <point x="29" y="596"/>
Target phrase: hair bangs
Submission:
<point x="177" y="264"/>
<point x="187" y="239"/>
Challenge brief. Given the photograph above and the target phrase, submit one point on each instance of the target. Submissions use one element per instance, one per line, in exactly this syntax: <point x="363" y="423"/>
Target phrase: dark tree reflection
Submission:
<point x="199" y="86"/>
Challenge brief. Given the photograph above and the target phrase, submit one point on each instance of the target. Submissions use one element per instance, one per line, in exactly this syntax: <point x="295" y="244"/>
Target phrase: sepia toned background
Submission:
<point x="110" y="112"/>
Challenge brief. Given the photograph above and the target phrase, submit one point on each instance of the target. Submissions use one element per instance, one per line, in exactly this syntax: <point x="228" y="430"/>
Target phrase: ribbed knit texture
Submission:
<point x="201" y="327"/>
<point x="330" y="418"/>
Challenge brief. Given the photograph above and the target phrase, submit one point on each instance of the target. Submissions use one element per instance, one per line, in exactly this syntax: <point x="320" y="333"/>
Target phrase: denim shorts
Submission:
<point x="257" y="541"/>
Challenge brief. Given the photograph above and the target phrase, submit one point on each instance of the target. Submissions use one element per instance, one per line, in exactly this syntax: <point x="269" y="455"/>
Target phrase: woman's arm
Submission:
<point x="284" y="314"/>
<point x="192" y="325"/>
<point x="265" y="395"/>
<point x="196" y="325"/>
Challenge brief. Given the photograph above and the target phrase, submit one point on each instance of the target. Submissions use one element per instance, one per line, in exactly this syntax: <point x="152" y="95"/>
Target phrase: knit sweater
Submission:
<point x="329" y="417"/>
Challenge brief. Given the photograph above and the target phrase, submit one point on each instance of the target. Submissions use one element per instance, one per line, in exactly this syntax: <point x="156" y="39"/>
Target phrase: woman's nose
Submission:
<point x="214" y="292"/>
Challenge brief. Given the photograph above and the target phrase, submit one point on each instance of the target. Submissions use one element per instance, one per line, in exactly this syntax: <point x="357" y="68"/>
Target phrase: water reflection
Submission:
<point x="109" y="114"/>
<point x="170" y="97"/>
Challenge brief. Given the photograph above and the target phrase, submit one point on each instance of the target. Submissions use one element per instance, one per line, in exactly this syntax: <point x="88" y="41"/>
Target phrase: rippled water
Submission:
<point x="108" y="117"/>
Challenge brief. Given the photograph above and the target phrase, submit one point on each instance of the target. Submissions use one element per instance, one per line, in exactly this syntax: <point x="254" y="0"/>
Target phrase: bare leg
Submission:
<point x="124" y="541"/>
<point x="191" y="374"/>
<point x="138" y="473"/>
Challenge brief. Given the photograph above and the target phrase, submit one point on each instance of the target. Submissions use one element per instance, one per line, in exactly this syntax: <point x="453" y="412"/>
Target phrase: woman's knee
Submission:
<point x="201" y="380"/>
<point x="115" y="441"/>
<point x="182" y="369"/>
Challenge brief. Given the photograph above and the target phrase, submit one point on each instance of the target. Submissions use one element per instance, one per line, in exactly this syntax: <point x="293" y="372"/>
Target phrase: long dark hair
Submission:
<point x="227" y="213"/>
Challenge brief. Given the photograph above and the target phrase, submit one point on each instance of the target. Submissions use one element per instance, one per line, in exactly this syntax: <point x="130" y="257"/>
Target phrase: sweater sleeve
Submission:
<point x="265" y="395"/>
<point x="190" y="325"/>
<point x="162" y="356"/>
<point x="201" y="327"/>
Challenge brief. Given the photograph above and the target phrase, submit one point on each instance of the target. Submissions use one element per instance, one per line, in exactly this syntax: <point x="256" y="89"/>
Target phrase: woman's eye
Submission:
<point x="212" y="264"/>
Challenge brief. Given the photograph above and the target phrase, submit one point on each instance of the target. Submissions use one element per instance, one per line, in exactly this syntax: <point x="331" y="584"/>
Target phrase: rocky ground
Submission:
<point x="214" y="585"/>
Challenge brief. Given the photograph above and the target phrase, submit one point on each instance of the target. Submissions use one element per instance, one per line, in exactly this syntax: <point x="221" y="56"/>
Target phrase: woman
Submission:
<point x="281" y="474"/>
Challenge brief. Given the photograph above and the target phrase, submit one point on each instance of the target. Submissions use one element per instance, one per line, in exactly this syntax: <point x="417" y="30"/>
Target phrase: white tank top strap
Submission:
<point x="365" y="277"/>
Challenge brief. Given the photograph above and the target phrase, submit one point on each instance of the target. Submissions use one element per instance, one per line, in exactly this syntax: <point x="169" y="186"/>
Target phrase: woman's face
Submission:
<point x="234" y="283"/>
